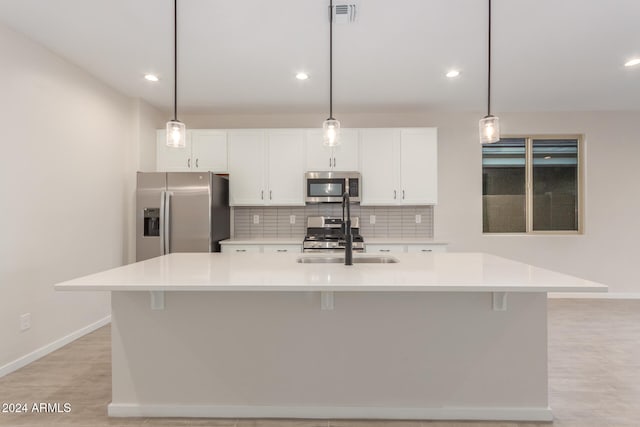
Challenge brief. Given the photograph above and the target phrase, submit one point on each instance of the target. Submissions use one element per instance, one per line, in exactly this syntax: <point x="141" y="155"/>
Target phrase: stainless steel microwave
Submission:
<point x="328" y="187"/>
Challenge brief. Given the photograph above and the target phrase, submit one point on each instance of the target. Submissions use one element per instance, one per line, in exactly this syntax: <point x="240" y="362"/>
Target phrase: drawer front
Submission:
<point x="426" y="248"/>
<point x="377" y="249"/>
<point x="241" y="248"/>
<point x="282" y="248"/>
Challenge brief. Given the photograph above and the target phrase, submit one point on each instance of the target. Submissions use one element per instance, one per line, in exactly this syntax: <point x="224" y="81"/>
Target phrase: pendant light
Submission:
<point x="331" y="127"/>
<point x="176" y="130"/>
<point x="489" y="125"/>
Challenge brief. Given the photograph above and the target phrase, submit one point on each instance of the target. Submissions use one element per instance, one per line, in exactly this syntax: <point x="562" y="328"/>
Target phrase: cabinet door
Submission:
<point x="319" y="157"/>
<point x="281" y="248"/>
<point x="385" y="248"/>
<point x="241" y="248"/>
<point x="246" y="167"/>
<point x="209" y="150"/>
<point x="379" y="160"/>
<point x="286" y="153"/>
<point x="170" y="159"/>
<point x="345" y="155"/>
<point x="419" y="166"/>
<point x="426" y="248"/>
<point x="341" y="158"/>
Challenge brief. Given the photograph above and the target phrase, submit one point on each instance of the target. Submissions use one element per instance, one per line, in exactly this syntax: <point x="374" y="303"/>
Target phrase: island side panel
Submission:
<point x="374" y="349"/>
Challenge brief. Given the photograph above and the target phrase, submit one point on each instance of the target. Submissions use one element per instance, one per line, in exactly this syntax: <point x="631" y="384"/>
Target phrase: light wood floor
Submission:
<point x="594" y="368"/>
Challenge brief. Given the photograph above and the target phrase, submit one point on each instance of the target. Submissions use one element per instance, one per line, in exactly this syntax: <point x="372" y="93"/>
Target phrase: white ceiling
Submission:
<point x="240" y="56"/>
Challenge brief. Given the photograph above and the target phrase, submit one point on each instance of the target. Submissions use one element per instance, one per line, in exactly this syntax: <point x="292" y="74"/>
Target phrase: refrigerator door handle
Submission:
<point x="163" y="196"/>
<point x="167" y="222"/>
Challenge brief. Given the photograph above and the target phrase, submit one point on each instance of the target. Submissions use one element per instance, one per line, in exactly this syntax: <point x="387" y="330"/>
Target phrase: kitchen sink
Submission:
<point x="356" y="260"/>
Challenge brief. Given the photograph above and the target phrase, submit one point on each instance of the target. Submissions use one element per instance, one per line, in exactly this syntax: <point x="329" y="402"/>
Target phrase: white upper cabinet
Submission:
<point x="286" y="166"/>
<point x="341" y="158"/>
<point x="266" y="167"/>
<point x="399" y="166"/>
<point x="247" y="153"/>
<point x="379" y="160"/>
<point x="419" y="166"/>
<point x="205" y="150"/>
<point x="209" y="150"/>
<point x="170" y="159"/>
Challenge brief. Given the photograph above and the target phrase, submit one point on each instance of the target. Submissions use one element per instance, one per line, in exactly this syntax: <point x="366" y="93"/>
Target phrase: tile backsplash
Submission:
<point x="390" y="221"/>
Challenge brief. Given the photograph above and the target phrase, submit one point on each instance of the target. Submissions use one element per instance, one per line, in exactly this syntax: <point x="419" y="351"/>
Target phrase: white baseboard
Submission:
<point x="51" y="347"/>
<point x="337" y="412"/>
<point x="595" y="295"/>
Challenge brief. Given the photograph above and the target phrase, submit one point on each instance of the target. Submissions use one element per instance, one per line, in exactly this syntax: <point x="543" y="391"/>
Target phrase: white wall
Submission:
<point x="606" y="252"/>
<point x="68" y="158"/>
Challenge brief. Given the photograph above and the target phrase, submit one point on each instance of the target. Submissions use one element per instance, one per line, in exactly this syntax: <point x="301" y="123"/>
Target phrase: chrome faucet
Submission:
<point x="348" y="237"/>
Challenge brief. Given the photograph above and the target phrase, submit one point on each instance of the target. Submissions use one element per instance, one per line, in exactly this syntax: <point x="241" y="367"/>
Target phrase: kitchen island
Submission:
<point x="432" y="336"/>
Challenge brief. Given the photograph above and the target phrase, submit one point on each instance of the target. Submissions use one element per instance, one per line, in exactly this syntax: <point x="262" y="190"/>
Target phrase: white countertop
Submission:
<point x="435" y="272"/>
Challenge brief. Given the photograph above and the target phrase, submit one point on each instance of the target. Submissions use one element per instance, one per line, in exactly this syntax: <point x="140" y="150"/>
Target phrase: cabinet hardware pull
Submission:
<point x="281" y="250"/>
<point x="197" y="163"/>
<point x="189" y="163"/>
<point x="402" y="194"/>
<point x="334" y="162"/>
<point x="241" y="250"/>
<point x="427" y="250"/>
<point x="394" y="194"/>
<point x="270" y="194"/>
<point x="385" y="250"/>
<point x="329" y="161"/>
<point x="262" y="194"/>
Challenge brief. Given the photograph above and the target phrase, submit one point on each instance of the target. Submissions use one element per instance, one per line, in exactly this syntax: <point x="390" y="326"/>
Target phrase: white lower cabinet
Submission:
<point x="261" y="247"/>
<point x="426" y="248"/>
<point x="282" y="249"/>
<point x="411" y="248"/>
<point x="384" y="248"/>
<point x="241" y="248"/>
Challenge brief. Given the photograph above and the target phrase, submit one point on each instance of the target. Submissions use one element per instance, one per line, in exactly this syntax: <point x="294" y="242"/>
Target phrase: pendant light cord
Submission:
<point x="331" y="59"/>
<point x="489" y="67"/>
<point x="175" y="60"/>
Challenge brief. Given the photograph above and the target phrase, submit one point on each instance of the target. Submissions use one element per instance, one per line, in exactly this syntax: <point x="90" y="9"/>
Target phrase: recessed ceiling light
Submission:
<point x="302" y="76"/>
<point x="453" y="73"/>
<point x="151" y="77"/>
<point x="631" y="63"/>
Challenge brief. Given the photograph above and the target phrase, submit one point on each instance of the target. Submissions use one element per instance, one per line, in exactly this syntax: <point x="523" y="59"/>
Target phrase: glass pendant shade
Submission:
<point x="331" y="132"/>
<point x="176" y="134"/>
<point x="489" y="130"/>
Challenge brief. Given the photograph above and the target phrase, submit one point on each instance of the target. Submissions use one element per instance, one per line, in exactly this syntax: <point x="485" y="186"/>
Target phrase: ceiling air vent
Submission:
<point x="344" y="13"/>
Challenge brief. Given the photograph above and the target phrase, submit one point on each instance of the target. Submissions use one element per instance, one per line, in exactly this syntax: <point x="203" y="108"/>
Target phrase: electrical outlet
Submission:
<point x="256" y="219"/>
<point x="372" y="219"/>
<point x="25" y="321"/>
<point x="418" y="219"/>
<point x="292" y="219"/>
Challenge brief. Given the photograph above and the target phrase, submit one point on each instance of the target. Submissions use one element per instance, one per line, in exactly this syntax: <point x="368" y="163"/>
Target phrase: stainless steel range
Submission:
<point x="324" y="234"/>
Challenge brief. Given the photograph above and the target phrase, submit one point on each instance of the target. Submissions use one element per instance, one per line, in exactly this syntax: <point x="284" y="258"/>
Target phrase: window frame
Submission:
<point x="528" y="164"/>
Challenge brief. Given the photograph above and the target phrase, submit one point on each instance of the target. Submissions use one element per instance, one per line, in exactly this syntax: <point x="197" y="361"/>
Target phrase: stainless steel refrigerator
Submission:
<point x="180" y="212"/>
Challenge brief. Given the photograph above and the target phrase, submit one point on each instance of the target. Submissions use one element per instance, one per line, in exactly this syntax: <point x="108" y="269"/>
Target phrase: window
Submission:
<point x="531" y="185"/>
